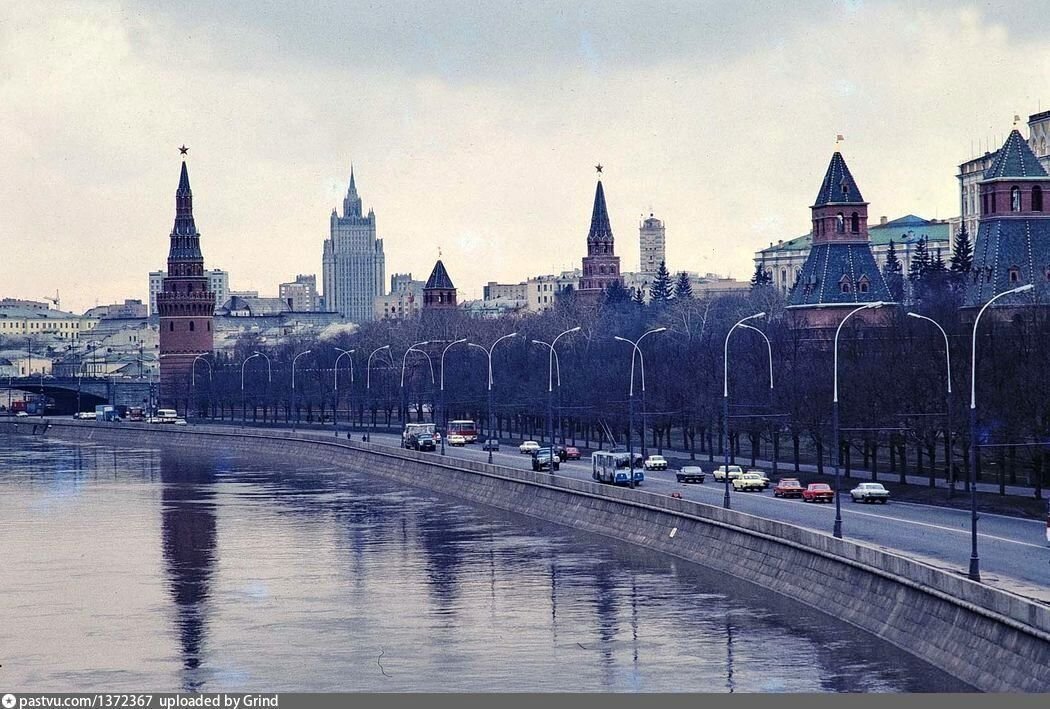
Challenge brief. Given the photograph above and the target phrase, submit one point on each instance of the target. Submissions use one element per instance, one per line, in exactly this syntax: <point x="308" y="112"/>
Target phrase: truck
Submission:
<point x="410" y="436"/>
<point x="136" y="413"/>
<point x="106" y="412"/>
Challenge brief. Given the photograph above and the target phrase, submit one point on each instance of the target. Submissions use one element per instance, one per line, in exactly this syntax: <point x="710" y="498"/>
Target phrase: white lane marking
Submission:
<point x="965" y="512"/>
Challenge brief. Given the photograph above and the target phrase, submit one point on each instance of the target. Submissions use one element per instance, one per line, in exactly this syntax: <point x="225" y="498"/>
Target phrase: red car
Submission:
<point x="818" y="492"/>
<point x="788" y="487"/>
<point x="567" y="452"/>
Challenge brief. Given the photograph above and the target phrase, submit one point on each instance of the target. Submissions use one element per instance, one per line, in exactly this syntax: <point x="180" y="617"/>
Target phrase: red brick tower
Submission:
<point x="601" y="266"/>
<point x="186" y="305"/>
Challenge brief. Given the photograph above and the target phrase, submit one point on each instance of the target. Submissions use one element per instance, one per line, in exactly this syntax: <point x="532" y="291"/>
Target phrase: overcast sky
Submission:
<point x="475" y="126"/>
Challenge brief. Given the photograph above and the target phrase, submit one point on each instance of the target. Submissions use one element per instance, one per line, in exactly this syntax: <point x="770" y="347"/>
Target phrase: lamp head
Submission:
<point x="575" y="329"/>
<point x="660" y="329"/>
<point x="876" y="304"/>
<point x="1025" y="287"/>
<point x="914" y="315"/>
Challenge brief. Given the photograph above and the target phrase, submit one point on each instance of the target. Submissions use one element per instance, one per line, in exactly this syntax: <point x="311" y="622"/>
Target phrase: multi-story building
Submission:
<point x="130" y="308"/>
<point x="504" y="291"/>
<point x="186" y="303"/>
<point x="300" y="294"/>
<point x="652" y="244"/>
<point x="404" y="300"/>
<point x="541" y="292"/>
<point x="218" y="282"/>
<point x="971" y="172"/>
<point x="353" y="263"/>
<point x="45" y="323"/>
<point x="601" y="265"/>
<point x="783" y="261"/>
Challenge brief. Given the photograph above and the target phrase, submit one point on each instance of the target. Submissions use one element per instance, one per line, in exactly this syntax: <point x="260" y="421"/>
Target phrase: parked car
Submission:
<point x="765" y="480"/>
<point x="543" y="459"/>
<point x="490" y="445"/>
<point x="788" y="487"/>
<point x="735" y="471"/>
<point x="567" y="452"/>
<point x="870" y="492"/>
<point x="655" y="462"/>
<point x="21" y="414"/>
<point x="455" y="439"/>
<point x="178" y="422"/>
<point x="818" y="492"/>
<point x="529" y="447"/>
<point x="748" y="482"/>
<point x="690" y="474"/>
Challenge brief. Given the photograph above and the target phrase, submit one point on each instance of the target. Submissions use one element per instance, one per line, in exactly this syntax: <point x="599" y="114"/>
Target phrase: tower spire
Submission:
<point x="352" y="202"/>
<point x="184" y="225"/>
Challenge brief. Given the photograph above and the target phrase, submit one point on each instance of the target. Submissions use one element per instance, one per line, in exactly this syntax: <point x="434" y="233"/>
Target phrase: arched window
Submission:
<point x="209" y="326"/>
<point x="862" y="285"/>
<point x="1037" y="199"/>
<point x="840" y="223"/>
<point x="854" y="223"/>
<point x="844" y="285"/>
<point x="171" y="326"/>
<point x="1015" y="274"/>
<point x="1015" y="199"/>
<point x="191" y="326"/>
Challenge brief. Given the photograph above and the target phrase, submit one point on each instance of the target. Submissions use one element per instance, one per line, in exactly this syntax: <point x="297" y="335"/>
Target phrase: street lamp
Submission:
<point x="269" y="378"/>
<point x="294" y="359"/>
<point x="725" y="400"/>
<point x="404" y="361"/>
<point x="630" y="395"/>
<point x="335" y="388"/>
<point x="975" y="561"/>
<point x="837" y="529"/>
<point x="444" y="414"/>
<point x="368" y="375"/>
<point x="193" y="372"/>
<point x="550" y="386"/>
<point x="947" y="402"/>
<point x="488" y="353"/>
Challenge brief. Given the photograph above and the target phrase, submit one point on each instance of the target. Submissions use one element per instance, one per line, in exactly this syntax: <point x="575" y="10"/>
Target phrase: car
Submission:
<point x="765" y="480"/>
<point x="491" y="444"/>
<point x="456" y="439"/>
<point x="567" y="452"/>
<point x="529" y="447"/>
<point x="749" y="481"/>
<point x="85" y="415"/>
<point x="870" y="492"/>
<point x="690" y="474"/>
<point x="655" y="462"/>
<point x="543" y="459"/>
<point x="21" y="414"/>
<point x="818" y="492"/>
<point x="178" y="422"/>
<point x="735" y="471"/>
<point x="788" y="487"/>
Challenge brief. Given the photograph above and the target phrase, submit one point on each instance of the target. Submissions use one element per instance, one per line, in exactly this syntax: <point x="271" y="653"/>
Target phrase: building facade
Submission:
<point x="301" y="294"/>
<point x="353" y="263"/>
<point x="541" y="292"/>
<point x="1012" y="247"/>
<point x="186" y="303"/>
<point x="404" y="301"/>
<point x="601" y="265"/>
<point x="651" y="245"/>
<point x="840" y="270"/>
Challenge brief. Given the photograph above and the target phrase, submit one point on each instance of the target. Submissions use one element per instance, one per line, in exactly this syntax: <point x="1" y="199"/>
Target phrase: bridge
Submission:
<point x="89" y="391"/>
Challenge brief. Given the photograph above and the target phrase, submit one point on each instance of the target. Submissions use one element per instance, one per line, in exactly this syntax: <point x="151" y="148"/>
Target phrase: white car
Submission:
<point x="455" y="439"/>
<point x="181" y="422"/>
<point x="86" y="415"/>
<point x="21" y="414"/>
<point x="870" y="492"/>
<point x="529" y="447"/>
<point x="735" y="471"/>
<point x="765" y="479"/>
<point x="655" y="462"/>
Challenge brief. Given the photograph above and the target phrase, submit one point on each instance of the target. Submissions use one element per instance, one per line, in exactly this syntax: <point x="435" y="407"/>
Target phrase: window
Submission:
<point x="171" y="326"/>
<point x="991" y="197"/>
<point x="1015" y="274"/>
<point x="862" y="285"/>
<point x="854" y="223"/>
<point x="191" y="326"/>
<point x="844" y="285"/>
<point x="1015" y="199"/>
<point x="840" y="223"/>
<point x="1037" y="199"/>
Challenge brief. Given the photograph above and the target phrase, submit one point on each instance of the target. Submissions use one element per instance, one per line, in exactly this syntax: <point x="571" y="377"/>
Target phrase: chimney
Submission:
<point x="882" y="221"/>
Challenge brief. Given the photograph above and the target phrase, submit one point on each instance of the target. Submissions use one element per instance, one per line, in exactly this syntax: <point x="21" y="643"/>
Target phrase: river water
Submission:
<point x="181" y="570"/>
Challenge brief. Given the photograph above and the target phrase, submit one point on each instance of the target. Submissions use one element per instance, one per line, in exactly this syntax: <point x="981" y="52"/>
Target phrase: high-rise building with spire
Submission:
<point x="601" y="266"/>
<point x="840" y="271"/>
<point x="186" y="303"/>
<point x="353" y="264"/>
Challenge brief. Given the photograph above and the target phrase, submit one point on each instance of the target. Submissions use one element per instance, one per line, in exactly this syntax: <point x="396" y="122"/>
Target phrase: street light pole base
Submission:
<point x="975" y="568"/>
<point x="725" y="500"/>
<point x="837" y="531"/>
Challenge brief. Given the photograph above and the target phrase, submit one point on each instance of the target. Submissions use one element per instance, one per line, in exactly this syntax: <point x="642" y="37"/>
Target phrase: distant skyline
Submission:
<point x="476" y="128"/>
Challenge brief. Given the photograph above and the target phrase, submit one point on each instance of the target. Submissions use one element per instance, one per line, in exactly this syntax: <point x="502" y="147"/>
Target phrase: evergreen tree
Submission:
<point x="920" y="262"/>
<point x="638" y="297"/>
<point x="761" y="277"/>
<point x="616" y="295"/>
<point x="962" y="252"/>
<point x="892" y="272"/>
<point x="683" y="289"/>
<point x="661" y="291"/>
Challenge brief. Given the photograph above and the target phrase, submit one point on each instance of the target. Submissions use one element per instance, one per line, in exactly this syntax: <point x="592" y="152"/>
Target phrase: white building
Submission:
<point x="300" y="294"/>
<point x="218" y="282"/>
<point x="541" y="292"/>
<point x="404" y="300"/>
<point x="652" y="244"/>
<point x="353" y="263"/>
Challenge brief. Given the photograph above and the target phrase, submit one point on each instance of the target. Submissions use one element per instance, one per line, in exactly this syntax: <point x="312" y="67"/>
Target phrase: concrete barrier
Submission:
<point x="988" y="638"/>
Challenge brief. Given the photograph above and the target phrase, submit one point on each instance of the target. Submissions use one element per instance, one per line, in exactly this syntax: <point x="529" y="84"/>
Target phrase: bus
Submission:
<point x="165" y="416"/>
<point x="605" y="468"/>
<point x="464" y="427"/>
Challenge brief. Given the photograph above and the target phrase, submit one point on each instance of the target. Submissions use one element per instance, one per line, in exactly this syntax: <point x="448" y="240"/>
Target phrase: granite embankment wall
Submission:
<point x="990" y="639"/>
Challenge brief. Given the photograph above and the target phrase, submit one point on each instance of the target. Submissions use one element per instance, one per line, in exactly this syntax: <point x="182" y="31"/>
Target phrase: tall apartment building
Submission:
<point x="301" y="294"/>
<point x="353" y="263"/>
<point x="651" y="244"/>
<point x="218" y="283"/>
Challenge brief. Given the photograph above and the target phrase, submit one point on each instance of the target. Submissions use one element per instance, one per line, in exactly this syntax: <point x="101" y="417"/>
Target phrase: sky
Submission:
<point x="475" y="127"/>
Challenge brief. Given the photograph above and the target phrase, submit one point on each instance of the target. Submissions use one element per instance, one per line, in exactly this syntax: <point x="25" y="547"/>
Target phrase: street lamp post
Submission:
<point x="725" y="401"/>
<point x="769" y="351"/>
<point x="269" y="378"/>
<point x="488" y="353"/>
<point x="837" y="529"/>
<point x="975" y="561"/>
<point x="947" y="403"/>
<point x="295" y="420"/>
<point x="404" y="361"/>
<point x="368" y="377"/>
<point x="444" y="414"/>
<point x="193" y="373"/>
<point x="636" y="351"/>
<point x="550" y="386"/>
<point x="335" y="389"/>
